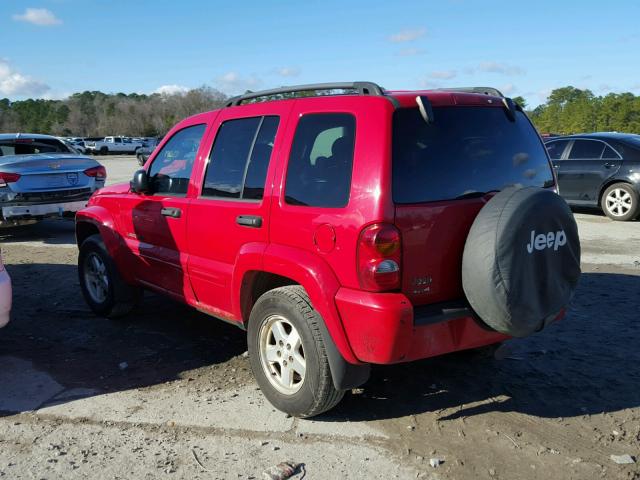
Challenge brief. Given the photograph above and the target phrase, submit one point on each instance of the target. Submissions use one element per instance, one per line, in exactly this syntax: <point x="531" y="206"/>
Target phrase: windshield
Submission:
<point x="466" y="151"/>
<point x="30" y="146"/>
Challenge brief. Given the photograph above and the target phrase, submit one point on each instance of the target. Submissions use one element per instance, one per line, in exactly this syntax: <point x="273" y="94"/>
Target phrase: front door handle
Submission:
<point x="171" y="212"/>
<point x="556" y="166"/>
<point x="249" y="221"/>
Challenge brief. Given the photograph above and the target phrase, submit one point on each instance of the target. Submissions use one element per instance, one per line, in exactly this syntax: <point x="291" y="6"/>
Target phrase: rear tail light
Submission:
<point x="8" y="178"/>
<point x="99" y="173"/>
<point x="379" y="257"/>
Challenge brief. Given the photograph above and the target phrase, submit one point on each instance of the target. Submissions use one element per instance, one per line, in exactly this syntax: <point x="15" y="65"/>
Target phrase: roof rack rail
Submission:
<point x="484" y="90"/>
<point x="362" y="88"/>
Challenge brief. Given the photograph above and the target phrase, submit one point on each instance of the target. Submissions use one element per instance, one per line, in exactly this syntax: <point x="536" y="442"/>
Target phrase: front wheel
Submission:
<point x="104" y="290"/>
<point x="287" y="353"/>
<point x="620" y="202"/>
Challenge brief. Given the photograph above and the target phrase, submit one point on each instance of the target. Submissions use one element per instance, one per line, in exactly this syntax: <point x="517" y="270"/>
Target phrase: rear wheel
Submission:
<point x="620" y="202"/>
<point x="288" y="355"/>
<point x="103" y="288"/>
<point x="104" y="151"/>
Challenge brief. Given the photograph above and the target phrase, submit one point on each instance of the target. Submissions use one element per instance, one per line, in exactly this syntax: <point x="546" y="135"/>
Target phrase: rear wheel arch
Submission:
<point x="255" y="283"/>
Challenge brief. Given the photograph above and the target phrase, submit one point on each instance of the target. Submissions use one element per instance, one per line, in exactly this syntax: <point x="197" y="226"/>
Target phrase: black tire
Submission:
<point x="119" y="297"/>
<point x="141" y="160"/>
<point x="620" y="202"/>
<point x="104" y="151"/>
<point x="316" y="393"/>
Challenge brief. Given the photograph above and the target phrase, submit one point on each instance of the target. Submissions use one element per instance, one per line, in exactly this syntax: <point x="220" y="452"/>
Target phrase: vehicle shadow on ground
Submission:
<point x="53" y="328"/>
<point x="50" y="232"/>
<point x="585" y="364"/>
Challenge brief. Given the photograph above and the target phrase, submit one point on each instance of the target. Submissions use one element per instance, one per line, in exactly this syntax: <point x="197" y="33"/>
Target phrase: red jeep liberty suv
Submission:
<point x="343" y="227"/>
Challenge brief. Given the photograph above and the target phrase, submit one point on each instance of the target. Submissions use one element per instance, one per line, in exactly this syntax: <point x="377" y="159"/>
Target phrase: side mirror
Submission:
<point x="140" y="182"/>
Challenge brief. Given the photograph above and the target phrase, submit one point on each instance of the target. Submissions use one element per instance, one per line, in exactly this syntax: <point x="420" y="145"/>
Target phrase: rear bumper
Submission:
<point x="5" y="298"/>
<point x="385" y="328"/>
<point x="20" y="212"/>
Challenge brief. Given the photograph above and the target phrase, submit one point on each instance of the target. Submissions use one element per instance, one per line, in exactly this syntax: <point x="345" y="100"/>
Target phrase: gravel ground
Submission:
<point x="168" y="393"/>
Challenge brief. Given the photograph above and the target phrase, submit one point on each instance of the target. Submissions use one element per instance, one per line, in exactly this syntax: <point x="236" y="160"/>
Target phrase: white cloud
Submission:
<point x="444" y="74"/>
<point x="408" y="35"/>
<point x="233" y="82"/>
<point x="508" y="89"/>
<point x="171" y="89"/>
<point x="410" y="52"/>
<point x="13" y="83"/>
<point x="38" y="16"/>
<point x="503" y="68"/>
<point x="288" y="71"/>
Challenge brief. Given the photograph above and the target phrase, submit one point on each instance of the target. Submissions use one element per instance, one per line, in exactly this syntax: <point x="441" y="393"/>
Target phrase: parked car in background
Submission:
<point x="143" y="154"/>
<point x="5" y="294"/>
<point x="599" y="170"/>
<point x="111" y="145"/>
<point x="75" y="145"/>
<point x="340" y="231"/>
<point x="40" y="176"/>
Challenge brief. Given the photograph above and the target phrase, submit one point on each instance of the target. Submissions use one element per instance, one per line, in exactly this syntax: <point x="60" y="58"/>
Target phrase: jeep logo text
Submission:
<point x="541" y="241"/>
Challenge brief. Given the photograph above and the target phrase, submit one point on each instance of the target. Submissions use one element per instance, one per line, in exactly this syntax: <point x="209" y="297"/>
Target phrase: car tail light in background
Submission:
<point x="379" y="257"/>
<point x="99" y="173"/>
<point x="8" y="178"/>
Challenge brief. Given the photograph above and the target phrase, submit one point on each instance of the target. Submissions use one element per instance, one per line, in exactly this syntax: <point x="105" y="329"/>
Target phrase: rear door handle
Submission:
<point x="609" y="165"/>
<point x="253" y="221"/>
<point x="171" y="212"/>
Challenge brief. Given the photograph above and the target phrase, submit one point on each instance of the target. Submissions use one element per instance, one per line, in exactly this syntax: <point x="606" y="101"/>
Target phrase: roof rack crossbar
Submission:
<point x="484" y="90"/>
<point x="362" y="88"/>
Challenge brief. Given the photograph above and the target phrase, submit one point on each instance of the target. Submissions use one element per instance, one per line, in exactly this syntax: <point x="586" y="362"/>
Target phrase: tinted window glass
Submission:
<point x="30" y="146"/>
<point x="319" y="172"/>
<point x="610" y="154"/>
<point x="586" y="149"/>
<point x="229" y="157"/>
<point x="240" y="156"/>
<point x="171" y="169"/>
<point x="465" y="151"/>
<point x="259" y="162"/>
<point x="556" y="148"/>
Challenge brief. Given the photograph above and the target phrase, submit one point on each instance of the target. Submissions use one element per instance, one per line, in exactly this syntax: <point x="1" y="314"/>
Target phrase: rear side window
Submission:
<point x="585" y="149"/>
<point x="171" y="169"/>
<point x="321" y="161"/>
<point x="466" y="151"/>
<point x="556" y="148"/>
<point x="240" y="158"/>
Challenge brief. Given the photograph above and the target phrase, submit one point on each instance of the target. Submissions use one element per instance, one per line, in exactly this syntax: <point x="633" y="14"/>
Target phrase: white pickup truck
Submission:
<point x="113" y="145"/>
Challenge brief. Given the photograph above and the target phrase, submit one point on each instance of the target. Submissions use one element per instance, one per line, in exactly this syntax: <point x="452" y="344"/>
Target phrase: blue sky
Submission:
<point x="51" y="48"/>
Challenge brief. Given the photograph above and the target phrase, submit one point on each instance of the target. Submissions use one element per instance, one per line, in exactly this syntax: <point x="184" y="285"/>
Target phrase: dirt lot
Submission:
<point x="168" y="393"/>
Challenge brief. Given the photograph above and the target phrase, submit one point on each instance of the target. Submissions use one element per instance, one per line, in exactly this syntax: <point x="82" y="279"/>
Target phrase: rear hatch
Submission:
<point x="443" y="173"/>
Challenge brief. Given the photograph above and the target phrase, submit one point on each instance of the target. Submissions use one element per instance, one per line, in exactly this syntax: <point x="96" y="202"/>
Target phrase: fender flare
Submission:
<point x="321" y="284"/>
<point x="102" y="219"/>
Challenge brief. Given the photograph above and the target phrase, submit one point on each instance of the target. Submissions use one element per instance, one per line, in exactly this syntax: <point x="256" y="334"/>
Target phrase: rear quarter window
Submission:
<point x="466" y="151"/>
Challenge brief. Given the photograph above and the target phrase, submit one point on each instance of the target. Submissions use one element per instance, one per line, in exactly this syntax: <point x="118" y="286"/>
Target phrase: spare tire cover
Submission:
<point x="521" y="260"/>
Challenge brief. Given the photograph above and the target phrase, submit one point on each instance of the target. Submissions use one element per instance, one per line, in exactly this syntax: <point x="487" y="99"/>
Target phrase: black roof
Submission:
<point x="599" y="136"/>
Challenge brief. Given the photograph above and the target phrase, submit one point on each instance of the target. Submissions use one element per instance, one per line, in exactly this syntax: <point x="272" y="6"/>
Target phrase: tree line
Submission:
<point x="93" y="114"/>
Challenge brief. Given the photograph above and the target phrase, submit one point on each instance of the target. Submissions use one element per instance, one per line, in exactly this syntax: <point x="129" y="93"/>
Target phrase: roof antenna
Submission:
<point x="424" y="105"/>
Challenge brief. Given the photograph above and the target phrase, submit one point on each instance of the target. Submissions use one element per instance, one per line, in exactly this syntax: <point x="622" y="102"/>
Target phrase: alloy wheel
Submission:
<point x="282" y="354"/>
<point x="618" y="202"/>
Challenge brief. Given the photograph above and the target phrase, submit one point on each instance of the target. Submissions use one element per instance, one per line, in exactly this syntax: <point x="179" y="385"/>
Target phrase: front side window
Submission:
<point x="171" y="169"/>
<point x="321" y="161"/>
<point x="240" y="158"/>
<point x="586" y="149"/>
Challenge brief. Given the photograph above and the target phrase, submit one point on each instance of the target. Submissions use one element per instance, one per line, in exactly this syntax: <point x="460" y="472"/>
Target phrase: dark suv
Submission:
<point x="599" y="170"/>
<point x="346" y="227"/>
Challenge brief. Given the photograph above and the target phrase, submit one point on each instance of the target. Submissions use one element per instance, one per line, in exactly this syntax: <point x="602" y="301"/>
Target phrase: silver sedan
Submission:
<point x="41" y="177"/>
